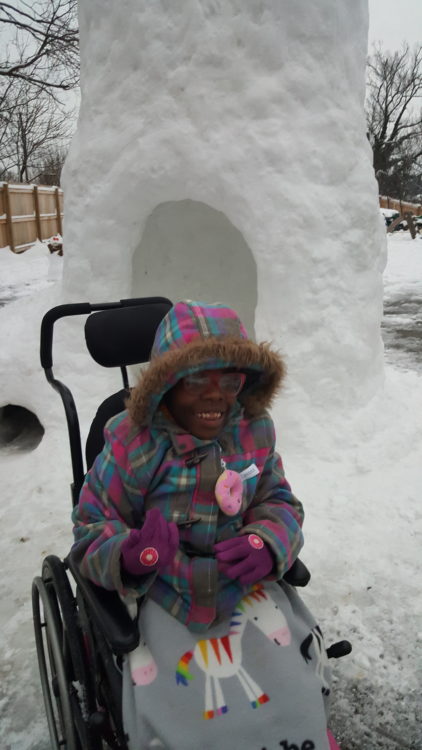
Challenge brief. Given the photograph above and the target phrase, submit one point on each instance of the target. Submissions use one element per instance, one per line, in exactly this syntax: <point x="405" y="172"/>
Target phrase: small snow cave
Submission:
<point x="191" y="251"/>
<point x="20" y="429"/>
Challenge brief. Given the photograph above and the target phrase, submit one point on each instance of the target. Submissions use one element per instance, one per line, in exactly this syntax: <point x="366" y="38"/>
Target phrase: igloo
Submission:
<point x="221" y="154"/>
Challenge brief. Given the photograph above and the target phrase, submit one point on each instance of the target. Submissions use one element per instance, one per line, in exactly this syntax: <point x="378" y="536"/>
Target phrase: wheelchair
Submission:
<point x="81" y="630"/>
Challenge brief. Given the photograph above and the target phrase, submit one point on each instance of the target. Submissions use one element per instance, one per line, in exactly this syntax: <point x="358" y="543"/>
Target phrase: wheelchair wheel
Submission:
<point x="68" y="695"/>
<point x="108" y="680"/>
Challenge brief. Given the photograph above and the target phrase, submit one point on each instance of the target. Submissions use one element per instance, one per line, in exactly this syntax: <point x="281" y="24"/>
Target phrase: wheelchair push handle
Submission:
<point x="47" y="328"/>
<point x="46" y="356"/>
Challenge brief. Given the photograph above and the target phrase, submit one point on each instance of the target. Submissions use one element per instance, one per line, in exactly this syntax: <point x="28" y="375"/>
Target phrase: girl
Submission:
<point x="188" y="507"/>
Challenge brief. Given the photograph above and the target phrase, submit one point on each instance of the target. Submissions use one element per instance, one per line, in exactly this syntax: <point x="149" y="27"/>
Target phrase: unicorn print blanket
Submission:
<point x="259" y="681"/>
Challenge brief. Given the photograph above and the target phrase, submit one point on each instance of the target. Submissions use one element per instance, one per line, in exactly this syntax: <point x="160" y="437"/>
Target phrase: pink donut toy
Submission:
<point x="228" y="492"/>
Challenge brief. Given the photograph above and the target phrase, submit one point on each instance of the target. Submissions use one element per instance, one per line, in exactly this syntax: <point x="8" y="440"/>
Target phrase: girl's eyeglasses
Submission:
<point x="228" y="382"/>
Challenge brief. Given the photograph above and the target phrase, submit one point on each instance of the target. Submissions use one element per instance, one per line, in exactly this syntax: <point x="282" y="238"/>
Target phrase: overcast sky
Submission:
<point x="394" y="21"/>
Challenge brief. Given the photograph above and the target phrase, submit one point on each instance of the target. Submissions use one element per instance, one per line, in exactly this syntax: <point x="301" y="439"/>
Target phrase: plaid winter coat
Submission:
<point x="149" y="461"/>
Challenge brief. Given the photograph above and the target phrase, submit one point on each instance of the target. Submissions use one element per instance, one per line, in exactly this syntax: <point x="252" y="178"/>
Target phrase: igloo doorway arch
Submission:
<point x="189" y="250"/>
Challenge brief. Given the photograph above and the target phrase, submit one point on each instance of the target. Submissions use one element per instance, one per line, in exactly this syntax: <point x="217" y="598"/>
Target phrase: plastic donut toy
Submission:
<point x="228" y="492"/>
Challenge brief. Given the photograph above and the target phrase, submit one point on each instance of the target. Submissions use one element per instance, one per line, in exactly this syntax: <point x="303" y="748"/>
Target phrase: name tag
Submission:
<point x="248" y="473"/>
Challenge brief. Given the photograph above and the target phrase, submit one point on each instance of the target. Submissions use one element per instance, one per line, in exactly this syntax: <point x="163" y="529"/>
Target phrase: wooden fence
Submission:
<point x="28" y="213"/>
<point x="401" y="206"/>
<point x="31" y="212"/>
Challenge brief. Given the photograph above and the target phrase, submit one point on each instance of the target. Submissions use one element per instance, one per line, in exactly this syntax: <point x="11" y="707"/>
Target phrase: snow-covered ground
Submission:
<point x="28" y="272"/>
<point x="360" y="478"/>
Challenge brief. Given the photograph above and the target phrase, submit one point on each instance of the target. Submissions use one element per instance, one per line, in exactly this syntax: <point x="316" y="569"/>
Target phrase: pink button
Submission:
<point x="149" y="556"/>
<point x="255" y="541"/>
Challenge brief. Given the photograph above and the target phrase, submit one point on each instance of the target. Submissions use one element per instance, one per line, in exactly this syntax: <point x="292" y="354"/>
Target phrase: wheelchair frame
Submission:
<point x="81" y="630"/>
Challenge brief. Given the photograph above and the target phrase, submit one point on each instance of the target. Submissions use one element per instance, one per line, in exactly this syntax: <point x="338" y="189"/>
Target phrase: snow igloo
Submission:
<point x="221" y="155"/>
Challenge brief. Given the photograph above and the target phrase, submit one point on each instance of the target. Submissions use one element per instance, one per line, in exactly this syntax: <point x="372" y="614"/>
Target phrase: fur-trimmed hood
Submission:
<point x="199" y="336"/>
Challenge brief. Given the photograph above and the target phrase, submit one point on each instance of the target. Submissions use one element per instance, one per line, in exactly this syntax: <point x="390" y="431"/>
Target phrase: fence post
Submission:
<point x="410" y="224"/>
<point x="9" y="216"/>
<point x="59" y="216"/>
<point x="37" y="212"/>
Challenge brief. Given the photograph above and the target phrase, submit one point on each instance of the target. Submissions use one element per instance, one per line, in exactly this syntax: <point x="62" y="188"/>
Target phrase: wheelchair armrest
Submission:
<point x="298" y="574"/>
<point x="108" y="612"/>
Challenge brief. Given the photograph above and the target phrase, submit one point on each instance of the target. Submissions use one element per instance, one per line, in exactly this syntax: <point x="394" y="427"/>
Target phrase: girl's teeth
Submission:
<point x="210" y="415"/>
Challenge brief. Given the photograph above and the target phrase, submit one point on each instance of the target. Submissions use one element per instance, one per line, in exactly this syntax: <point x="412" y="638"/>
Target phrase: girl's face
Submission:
<point x="201" y="403"/>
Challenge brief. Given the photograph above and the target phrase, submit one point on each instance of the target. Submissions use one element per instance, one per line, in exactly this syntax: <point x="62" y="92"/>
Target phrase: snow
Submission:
<point x="403" y="270"/>
<point x="220" y="131"/>
<point x="36" y="264"/>
<point x="218" y="156"/>
<point x="22" y="217"/>
<point x="389" y="212"/>
<point x="359" y="475"/>
<point x="17" y="186"/>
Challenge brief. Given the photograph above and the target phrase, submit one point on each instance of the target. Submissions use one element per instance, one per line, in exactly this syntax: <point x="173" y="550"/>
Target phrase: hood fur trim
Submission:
<point x="261" y="362"/>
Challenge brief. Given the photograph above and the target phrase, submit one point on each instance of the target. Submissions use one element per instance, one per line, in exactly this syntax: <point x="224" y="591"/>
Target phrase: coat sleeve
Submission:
<point x="110" y="501"/>
<point x="275" y="514"/>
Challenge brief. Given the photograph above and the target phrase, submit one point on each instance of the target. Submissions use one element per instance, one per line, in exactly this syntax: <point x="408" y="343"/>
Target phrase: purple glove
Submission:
<point x="246" y="557"/>
<point x="151" y="547"/>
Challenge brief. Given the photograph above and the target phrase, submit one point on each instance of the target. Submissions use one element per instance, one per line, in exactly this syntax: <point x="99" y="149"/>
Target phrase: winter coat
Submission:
<point x="149" y="461"/>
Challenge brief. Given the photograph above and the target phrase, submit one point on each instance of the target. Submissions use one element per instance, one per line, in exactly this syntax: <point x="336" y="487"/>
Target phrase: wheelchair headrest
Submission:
<point x="124" y="335"/>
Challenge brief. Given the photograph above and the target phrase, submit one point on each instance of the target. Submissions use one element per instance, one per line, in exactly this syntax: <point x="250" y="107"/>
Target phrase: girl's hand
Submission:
<point x="150" y="548"/>
<point x="246" y="558"/>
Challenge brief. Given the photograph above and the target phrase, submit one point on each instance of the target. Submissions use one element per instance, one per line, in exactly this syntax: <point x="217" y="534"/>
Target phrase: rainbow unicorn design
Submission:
<point x="220" y="658"/>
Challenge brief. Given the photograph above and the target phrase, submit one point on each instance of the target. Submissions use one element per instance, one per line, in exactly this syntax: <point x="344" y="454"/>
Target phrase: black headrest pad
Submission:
<point x="125" y="335"/>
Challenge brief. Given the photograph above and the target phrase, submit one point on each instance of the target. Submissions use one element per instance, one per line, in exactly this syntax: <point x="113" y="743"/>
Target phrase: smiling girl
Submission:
<point x="188" y="507"/>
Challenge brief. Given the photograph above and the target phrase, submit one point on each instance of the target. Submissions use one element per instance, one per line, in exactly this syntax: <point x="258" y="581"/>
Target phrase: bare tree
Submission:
<point x="42" y="46"/>
<point x="35" y="129"/>
<point x="50" y="167"/>
<point x="14" y="95"/>
<point x="39" y="63"/>
<point x="394" y="119"/>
